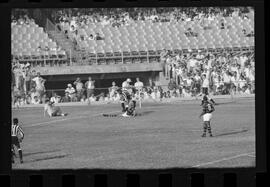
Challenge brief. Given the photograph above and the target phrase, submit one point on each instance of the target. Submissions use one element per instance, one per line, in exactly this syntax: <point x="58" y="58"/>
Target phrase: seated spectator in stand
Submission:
<point x="251" y="34"/>
<point x="44" y="98"/>
<point x="92" y="98"/>
<point x="244" y="32"/>
<point x="91" y="37"/>
<point x="71" y="92"/>
<point x="28" y="99"/>
<point x="66" y="98"/>
<point x="55" y="98"/>
<point x="36" y="100"/>
<point x="98" y="37"/>
<point x="190" y="33"/>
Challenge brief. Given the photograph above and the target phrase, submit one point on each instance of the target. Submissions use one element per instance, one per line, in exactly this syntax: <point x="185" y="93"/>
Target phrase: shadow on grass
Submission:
<point x="232" y="132"/>
<point x="40" y="152"/>
<point x="145" y="113"/>
<point x="49" y="158"/>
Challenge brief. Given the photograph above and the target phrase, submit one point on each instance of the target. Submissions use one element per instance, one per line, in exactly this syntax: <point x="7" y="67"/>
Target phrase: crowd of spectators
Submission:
<point x="74" y="21"/>
<point x="22" y="18"/>
<point x="125" y="16"/>
<point x="221" y="73"/>
<point x="27" y="85"/>
<point x="226" y="72"/>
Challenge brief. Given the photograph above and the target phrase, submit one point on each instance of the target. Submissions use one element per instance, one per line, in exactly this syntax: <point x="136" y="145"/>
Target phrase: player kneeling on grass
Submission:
<point x="17" y="136"/>
<point x="208" y="108"/>
<point x="52" y="110"/>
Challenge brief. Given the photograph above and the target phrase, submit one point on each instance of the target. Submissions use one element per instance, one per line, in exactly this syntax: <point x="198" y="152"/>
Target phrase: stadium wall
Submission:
<point x="99" y="69"/>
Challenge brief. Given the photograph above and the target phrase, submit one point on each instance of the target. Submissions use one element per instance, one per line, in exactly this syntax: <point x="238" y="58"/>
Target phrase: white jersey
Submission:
<point x="49" y="109"/>
<point x="138" y="85"/>
<point x="126" y="87"/>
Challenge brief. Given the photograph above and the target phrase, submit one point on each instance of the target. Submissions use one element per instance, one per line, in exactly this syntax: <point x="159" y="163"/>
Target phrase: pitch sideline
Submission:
<point x="223" y="159"/>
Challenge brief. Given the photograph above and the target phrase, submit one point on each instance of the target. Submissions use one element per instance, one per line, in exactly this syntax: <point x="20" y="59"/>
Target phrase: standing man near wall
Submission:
<point x="90" y="88"/>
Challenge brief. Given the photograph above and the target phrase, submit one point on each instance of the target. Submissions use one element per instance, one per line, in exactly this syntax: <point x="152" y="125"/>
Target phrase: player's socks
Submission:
<point x="209" y="129"/>
<point x="204" y="129"/>
<point x="213" y="101"/>
<point x="123" y="107"/>
<point x="20" y="154"/>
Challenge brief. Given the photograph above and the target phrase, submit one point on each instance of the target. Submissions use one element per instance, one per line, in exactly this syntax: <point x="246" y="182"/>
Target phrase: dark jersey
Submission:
<point x="208" y="108"/>
<point x="125" y="96"/>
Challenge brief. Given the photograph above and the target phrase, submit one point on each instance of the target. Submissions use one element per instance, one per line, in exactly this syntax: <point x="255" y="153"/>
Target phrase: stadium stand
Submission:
<point x="31" y="42"/>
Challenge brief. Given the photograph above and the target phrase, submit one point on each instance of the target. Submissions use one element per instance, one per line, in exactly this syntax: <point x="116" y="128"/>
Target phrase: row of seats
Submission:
<point x="32" y="40"/>
<point x="156" y="36"/>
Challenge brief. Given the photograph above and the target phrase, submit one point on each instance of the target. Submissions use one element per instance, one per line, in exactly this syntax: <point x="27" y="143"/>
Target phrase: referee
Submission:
<point x="16" y="137"/>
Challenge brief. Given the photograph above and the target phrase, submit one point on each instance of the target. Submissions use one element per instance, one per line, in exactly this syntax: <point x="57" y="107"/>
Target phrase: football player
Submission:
<point x="52" y="110"/>
<point x="208" y="108"/>
<point x="17" y="136"/>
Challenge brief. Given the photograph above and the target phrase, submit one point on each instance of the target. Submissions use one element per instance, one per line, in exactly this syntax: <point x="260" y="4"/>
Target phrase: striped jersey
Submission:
<point x="16" y="130"/>
<point x="125" y="96"/>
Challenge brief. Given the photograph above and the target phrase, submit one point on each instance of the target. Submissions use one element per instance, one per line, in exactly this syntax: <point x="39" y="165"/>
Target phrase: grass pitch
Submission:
<point x="164" y="136"/>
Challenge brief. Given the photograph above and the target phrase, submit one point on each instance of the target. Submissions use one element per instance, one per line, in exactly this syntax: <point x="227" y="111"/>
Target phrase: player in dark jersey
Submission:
<point x="208" y="108"/>
<point x="209" y="100"/>
<point x="17" y="136"/>
<point x="124" y="99"/>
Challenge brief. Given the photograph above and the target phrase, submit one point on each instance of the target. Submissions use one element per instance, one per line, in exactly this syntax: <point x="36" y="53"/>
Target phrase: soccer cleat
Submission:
<point x="203" y="135"/>
<point x="21" y="161"/>
<point x="211" y="135"/>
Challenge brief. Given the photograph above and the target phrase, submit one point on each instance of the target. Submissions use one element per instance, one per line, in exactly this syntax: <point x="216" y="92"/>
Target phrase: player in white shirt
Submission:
<point x="138" y="85"/>
<point x="52" y="110"/>
<point x="126" y="85"/>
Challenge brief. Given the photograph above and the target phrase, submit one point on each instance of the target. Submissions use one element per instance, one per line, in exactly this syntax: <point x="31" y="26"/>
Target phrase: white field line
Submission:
<point x="223" y="159"/>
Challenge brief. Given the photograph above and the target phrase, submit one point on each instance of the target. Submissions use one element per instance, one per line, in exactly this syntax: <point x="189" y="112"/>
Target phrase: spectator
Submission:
<point x="39" y="85"/>
<point x="205" y="84"/>
<point x="227" y="82"/>
<point x="36" y="100"/>
<point x="113" y="91"/>
<point x="90" y="88"/>
<point x="55" y="98"/>
<point x="138" y="85"/>
<point x="79" y="88"/>
<point x="66" y="98"/>
<point x="71" y="92"/>
<point x="172" y="85"/>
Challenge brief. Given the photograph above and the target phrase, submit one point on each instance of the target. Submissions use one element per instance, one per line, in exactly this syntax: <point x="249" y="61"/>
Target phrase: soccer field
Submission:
<point x="165" y="135"/>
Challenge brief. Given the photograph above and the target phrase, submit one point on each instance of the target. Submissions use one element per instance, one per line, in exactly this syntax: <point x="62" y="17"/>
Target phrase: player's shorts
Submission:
<point x="15" y="141"/>
<point x="207" y="117"/>
<point x="56" y="110"/>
